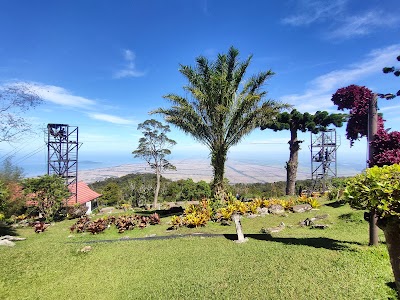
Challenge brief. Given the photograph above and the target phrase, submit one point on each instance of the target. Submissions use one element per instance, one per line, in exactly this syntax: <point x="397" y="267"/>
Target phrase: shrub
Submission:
<point x="197" y="215"/>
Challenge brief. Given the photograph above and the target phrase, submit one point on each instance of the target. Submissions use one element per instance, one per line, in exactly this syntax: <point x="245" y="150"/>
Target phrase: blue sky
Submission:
<point x="103" y="65"/>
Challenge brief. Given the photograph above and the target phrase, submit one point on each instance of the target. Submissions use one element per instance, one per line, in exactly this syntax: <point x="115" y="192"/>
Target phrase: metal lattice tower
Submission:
<point x="323" y="148"/>
<point x="62" y="153"/>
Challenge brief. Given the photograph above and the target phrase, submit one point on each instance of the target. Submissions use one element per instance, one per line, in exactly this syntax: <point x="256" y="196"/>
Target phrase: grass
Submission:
<point x="297" y="263"/>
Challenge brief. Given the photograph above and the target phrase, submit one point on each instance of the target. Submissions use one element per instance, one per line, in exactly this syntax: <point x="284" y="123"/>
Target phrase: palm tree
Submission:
<point x="222" y="108"/>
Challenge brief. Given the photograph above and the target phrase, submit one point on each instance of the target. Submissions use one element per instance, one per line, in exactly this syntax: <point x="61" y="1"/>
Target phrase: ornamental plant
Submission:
<point x="378" y="189"/>
<point x="357" y="99"/>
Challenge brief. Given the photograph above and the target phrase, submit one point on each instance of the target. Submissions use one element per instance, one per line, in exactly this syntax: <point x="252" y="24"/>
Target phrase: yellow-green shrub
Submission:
<point x="176" y="221"/>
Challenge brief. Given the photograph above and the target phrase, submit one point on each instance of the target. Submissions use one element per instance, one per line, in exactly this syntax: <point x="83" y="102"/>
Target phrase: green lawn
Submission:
<point x="297" y="263"/>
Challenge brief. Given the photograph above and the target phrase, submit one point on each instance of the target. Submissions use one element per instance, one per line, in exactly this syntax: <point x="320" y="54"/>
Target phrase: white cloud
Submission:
<point x="364" y="24"/>
<point x="58" y="95"/>
<point x="111" y="119"/>
<point x="318" y="96"/>
<point x="311" y="11"/>
<point x="129" y="70"/>
<point x="341" y="23"/>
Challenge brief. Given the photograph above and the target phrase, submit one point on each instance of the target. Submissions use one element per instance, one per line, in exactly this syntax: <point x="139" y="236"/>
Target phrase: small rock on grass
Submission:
<point x="86" y="249"/>
<point x="7" y="243"/>
<point x="11" y="238"/>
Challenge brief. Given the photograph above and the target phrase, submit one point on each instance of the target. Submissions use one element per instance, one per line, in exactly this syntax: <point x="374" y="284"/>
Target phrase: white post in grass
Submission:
<point x="240" y="235"/>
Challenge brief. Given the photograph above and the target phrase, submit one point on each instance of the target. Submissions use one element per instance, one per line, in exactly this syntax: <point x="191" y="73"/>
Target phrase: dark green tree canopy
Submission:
<point x="296" y="121"/>
<point x="305" y="121"/>
<point x="49" y="192"/>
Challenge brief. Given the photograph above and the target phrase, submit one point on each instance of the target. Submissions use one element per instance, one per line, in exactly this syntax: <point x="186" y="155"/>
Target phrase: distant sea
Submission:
<point x="346" y="165"/>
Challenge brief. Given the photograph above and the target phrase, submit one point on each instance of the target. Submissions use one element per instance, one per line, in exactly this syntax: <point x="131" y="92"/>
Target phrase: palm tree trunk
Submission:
<point x="218" y="159"/>
<point x="157" y="189"/>
<point x="291" y="165"/>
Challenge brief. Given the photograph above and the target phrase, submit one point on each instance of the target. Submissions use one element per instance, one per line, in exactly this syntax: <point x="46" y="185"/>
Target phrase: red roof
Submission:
<point x="85" y="194"/>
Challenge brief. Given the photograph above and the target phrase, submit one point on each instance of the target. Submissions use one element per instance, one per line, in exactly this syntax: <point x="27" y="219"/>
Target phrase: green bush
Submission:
<point x="378" y="188"/>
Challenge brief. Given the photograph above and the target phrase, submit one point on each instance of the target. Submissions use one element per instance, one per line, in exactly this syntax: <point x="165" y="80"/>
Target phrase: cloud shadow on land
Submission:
<point x="320" y="242"/>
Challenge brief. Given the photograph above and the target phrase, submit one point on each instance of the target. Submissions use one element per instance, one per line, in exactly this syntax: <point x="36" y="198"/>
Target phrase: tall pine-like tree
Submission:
<point x="296" y="121"/>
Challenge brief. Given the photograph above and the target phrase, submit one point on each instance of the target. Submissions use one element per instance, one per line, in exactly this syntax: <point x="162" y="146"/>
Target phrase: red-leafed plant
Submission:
<point x="356" y="99"/>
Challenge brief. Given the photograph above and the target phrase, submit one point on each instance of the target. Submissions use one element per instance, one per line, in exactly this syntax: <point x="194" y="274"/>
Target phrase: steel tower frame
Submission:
<point x="62" y="153"/>
<point x="323" y="148"/>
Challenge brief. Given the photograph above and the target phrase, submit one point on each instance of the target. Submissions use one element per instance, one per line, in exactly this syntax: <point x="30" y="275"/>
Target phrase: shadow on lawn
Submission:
<point x="163" y="212"/>
<point x="320" y="242"/>
<point x="392" y="285"/>
<point x="7" y="230"/>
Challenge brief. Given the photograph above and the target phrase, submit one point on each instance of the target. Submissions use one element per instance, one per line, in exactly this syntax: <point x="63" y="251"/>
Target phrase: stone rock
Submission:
<point x="7" y="243"/>
<point x="170" y="204"/>
<point x="107" y="210"/>
<point x="11" y="238"/>
<point x="307" y="222"/>
<point x="301" y="208"/>
<point x="320" y="217"/>
<point x="252" y="216"/>
<point x="279" y="228"/>
<point x="276" y="209"/>
<point x="262" y="211"/>
<point x="225" y="223"/>
<point x="86" y="249"/>
<point x="319" y="226"/>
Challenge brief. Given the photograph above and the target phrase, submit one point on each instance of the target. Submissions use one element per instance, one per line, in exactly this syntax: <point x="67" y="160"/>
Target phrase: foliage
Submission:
<point x="294" y="122"/>
<point x="386" y="144"/>
<point x="378" y="189"/>
<point x="176" y="221"/>
<point x="356" y="99"/>
<point x="386" y="148"/>
<point x="111" y="194"/>
<point x="10" y="172"/>
<point x="219" y="113"/>
<point x="153" y="148"/>
<point x="396" y="72"/>
<point x="12" y="199"/>
<point x="76" y="211"/>
<point x="15" y="100"/>
<point x="40" y="226"/>
<point x="188" y="190"/>
<point x="197" y="215"/>
<point x="4" y="194"/>
<point x="122" y="223"/>
<point x="138" y="190"/>
<point x="48" y="192"/>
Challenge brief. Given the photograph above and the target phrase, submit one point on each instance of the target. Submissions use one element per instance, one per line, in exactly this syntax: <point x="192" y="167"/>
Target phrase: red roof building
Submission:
<point x="85" y="194"/>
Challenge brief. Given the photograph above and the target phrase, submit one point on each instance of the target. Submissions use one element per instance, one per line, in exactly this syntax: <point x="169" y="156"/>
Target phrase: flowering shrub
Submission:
<point x="357" y="99"/>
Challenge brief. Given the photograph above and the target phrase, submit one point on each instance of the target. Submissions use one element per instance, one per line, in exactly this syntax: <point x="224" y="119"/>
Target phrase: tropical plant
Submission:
<point x="295" y="122"/>
<point x="378" y="189"/>
<point x="111" y="194"/>
<point x="222" y="108"/>
<point x="154" y="147"/>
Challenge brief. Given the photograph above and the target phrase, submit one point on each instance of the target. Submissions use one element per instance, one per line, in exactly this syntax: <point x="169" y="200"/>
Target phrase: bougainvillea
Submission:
<point x="387" y="148"/>
<point x="357" y="99"/>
